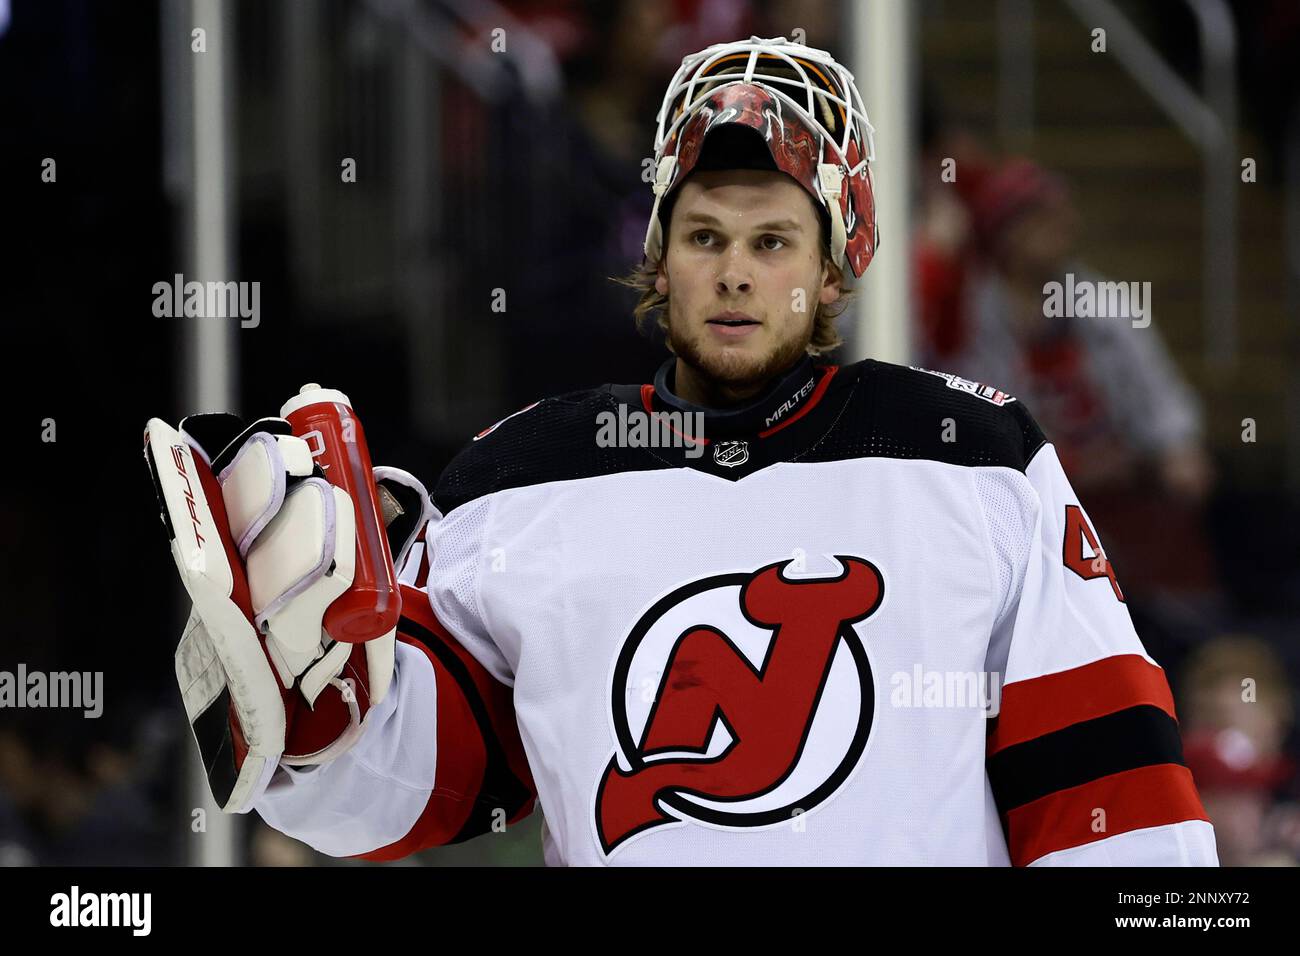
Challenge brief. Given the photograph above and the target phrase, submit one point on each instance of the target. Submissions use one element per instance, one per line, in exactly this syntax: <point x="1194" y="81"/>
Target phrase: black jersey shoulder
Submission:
<point x="897" y="411"/>
<point x="872" y="409"/>
<point x="552" y="440"/>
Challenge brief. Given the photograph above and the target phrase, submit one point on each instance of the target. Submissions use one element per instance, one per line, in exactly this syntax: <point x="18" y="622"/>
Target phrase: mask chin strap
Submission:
<point x="664" y="175"/>
<point x="831" y="179"/>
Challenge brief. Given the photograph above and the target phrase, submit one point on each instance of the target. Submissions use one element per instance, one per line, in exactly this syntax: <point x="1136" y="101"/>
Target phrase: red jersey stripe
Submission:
<point x="1132" y="800"/>
<point x="1041" y="705"/>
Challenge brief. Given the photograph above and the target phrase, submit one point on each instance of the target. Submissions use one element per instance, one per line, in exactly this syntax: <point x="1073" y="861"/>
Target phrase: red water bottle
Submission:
<point x="371" y="607"/>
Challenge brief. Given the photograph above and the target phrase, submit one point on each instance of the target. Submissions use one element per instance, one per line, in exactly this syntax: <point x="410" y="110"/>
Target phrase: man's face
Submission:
<point x="744" y="274"/>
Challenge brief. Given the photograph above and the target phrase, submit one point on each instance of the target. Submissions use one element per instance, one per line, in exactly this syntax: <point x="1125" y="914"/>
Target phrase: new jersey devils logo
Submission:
<point x="739" y="700"/>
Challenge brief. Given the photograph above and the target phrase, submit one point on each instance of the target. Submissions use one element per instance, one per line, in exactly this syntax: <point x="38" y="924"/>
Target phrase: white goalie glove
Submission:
<point x="264" y="544"/>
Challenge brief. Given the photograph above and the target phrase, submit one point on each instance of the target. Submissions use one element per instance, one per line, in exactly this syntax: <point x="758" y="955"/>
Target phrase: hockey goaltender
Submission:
<point x="685" y="657"/>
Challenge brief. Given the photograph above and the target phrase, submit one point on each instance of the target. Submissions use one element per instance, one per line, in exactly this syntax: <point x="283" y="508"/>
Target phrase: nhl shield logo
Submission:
<point x="729" y="454"/>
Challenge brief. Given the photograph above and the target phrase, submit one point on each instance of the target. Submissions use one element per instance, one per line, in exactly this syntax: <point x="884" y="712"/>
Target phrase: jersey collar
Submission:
<point x="787" y="399"/>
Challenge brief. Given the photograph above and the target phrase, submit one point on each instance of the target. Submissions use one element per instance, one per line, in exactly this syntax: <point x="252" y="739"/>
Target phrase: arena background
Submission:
<point x="1171" y="156"/>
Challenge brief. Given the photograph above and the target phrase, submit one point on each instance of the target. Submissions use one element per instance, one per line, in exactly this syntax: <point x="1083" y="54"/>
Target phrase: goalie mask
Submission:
<point x="771" y="104"/>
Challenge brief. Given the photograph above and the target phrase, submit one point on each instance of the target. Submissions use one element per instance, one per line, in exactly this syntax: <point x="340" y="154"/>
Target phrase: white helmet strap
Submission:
<point x="654" y="237"/>
<point x="664" y="175"/>
<point x="831" y="179"/>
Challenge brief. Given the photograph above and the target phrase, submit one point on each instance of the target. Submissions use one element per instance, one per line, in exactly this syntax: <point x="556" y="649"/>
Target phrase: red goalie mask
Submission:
<point x="770" y="104"/>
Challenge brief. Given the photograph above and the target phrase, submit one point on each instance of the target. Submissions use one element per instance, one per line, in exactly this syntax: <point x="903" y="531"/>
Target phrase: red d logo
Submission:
<point x="739" y="700"/>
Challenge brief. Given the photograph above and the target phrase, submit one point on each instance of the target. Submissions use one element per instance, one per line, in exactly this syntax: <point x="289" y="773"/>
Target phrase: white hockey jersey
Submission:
<point x="870" y="624"/>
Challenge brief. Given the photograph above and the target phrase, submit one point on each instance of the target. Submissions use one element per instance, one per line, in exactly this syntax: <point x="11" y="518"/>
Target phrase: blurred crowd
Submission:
<point x="74" y="791"/>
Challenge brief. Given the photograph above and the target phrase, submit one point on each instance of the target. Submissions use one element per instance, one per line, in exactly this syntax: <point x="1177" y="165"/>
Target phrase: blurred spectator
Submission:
<point x="1105" y="391"/>
<point x="952" y="167"/>
<point x="1125" y="424"/>
<point x="1236" y="714"/>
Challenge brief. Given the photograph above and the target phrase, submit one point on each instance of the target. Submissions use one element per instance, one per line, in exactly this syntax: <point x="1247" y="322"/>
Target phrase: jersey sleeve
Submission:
<point x="1084" y="755"/>
<point x="461" y="550"/>
<point x="440" y="760"/>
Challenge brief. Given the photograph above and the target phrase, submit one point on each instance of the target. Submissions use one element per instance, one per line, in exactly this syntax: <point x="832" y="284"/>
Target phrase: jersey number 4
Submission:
<point x="1077" y="531"/>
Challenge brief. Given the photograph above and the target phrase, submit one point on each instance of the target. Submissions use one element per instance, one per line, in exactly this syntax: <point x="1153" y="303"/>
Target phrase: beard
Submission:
<point x="729" y="370"/>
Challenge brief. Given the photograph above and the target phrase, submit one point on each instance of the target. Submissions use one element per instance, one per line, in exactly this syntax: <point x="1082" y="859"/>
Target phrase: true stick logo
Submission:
<point x="208" y="300"/>
<point x="716" y="695"/>
<point x="179" y="454"/>
<point x="76" y="908"/>
<point x="37" y="689"/>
